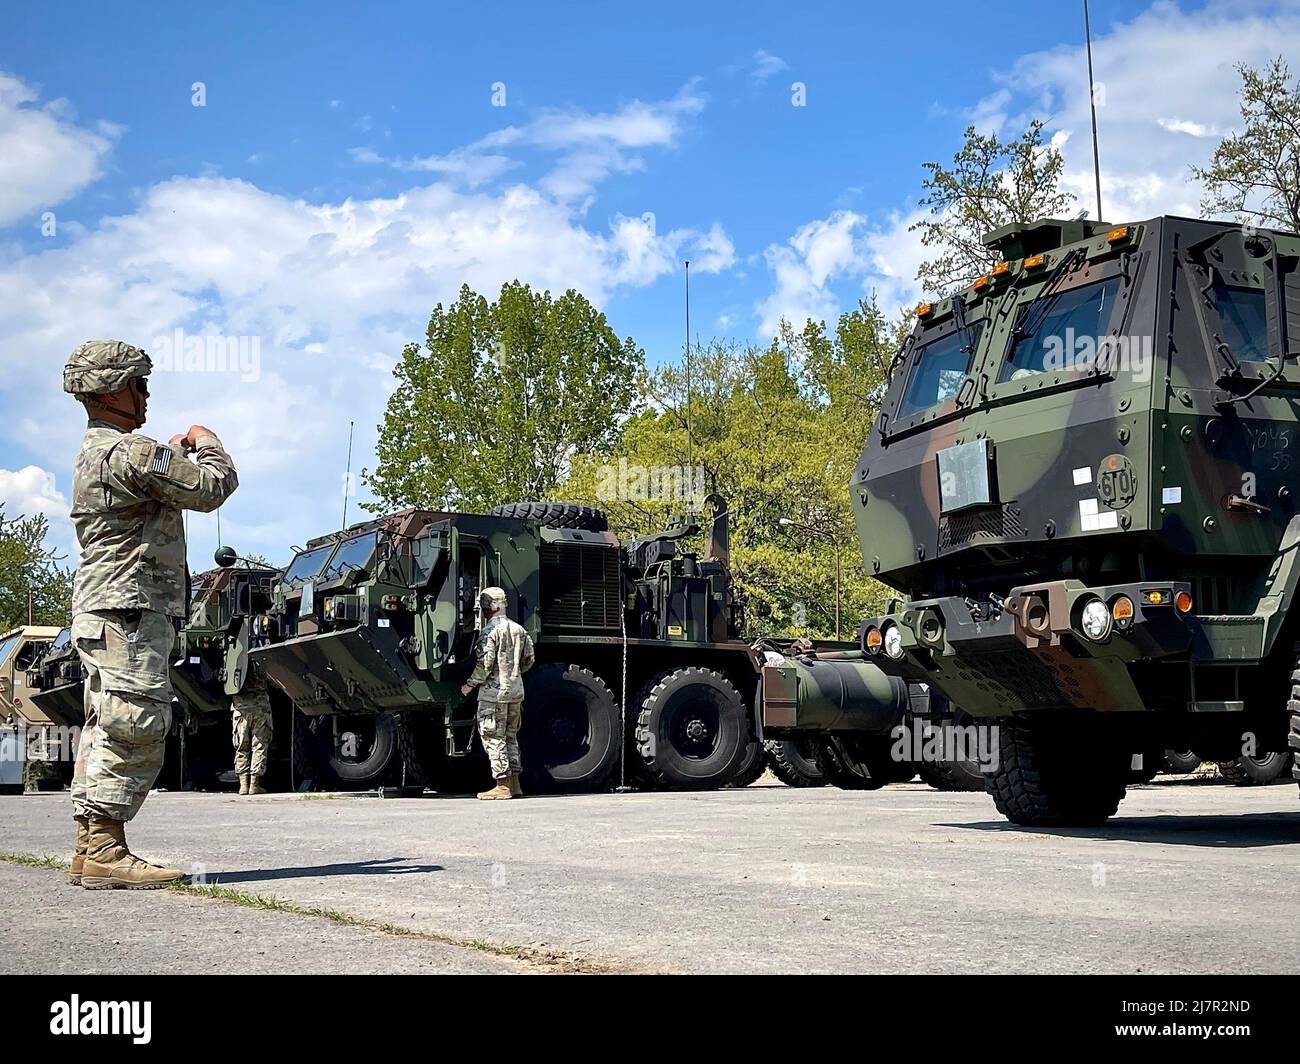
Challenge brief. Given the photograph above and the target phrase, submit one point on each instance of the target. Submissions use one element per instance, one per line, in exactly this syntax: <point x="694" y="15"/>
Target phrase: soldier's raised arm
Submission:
<point x="165" y="473"/>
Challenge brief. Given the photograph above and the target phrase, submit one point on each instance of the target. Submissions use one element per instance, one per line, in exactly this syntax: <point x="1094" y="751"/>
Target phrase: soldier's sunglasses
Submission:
<point x="142" y="386"/>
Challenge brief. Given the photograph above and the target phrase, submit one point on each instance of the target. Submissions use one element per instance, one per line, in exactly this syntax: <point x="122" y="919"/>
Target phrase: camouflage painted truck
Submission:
<point x="209" y="662"/>
<point x="1083" y="485"/>
<point x="641" y="672"/>
<point x="38" y="736"/>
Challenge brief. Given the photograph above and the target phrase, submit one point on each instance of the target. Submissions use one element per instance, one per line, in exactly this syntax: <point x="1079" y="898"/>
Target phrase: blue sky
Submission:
<point x="349" y="169"/>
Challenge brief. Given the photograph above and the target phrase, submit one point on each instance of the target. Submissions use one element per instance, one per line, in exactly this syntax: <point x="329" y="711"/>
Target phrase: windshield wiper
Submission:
<point x="1042" y="306"/>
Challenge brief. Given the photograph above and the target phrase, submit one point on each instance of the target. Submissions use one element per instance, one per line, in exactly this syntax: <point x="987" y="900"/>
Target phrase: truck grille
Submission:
<point x="975" y="526"/>
<point x="580" y="586"/>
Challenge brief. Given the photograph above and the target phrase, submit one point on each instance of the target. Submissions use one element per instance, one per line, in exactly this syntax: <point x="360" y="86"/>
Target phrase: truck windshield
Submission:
<point x="353" y="554"/>
<point x="306" y="565"/>
<point x="1063" y="338"/>
<point x="1244" y="320"/>
<point x="7" y="645"/>
<point x="937" y="371"/>
<point x="61" y="640"/>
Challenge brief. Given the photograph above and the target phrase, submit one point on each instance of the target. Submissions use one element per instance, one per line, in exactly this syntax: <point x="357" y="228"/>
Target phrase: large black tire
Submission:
<point x="367" y="755"/>
<point x="794" y="762"/>
<point x="754" y="765"/>
<point x="1255" y="771"/>
<point x="1181" y="762"/>
<point x="555" y="515"/>
<point x="693" y="731"/>
<point x="571" y="734"/>
<point x="859" y="764"/>
<point x="1058" y="774"/>
<point x="955" y="774"/>
<point x="421" y="739"/>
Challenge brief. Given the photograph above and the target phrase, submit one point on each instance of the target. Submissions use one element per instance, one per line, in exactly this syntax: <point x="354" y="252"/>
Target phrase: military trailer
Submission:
<point x="641" y="673"/>
<point x="43" y="741"/>
<point x="1083" y="485"/>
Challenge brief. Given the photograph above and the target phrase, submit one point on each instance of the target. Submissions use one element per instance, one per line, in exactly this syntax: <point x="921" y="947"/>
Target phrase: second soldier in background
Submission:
<point x="504" y="653"/>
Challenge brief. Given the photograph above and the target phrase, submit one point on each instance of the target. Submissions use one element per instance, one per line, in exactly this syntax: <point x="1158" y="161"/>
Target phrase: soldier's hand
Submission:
<point x="178" y="441"/>
<point x="192" y="437"/>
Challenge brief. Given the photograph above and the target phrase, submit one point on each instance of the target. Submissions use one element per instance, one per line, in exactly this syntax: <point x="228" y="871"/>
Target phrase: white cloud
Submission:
<point x="29" y="491"/>
<point x="331" y="291"/>
<point x="819" y="252"/>
<point x="45" y="156"/>
<point x="766" y="65"/>
<point x="588" y="146"/>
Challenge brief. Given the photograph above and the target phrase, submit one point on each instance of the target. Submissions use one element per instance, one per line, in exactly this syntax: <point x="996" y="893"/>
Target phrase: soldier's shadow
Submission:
<point x="382" y="866"/>
<point x="1220" y="831"/>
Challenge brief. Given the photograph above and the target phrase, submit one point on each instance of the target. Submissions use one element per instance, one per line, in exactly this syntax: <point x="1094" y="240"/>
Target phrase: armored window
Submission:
<point x="7" y="645"/>
<point x="353" y="554"/>
<point x="1243" y="321"/>
<point x="1063" y="334"/>
<point x="62" y="639"/>
<point x="306" y="565"/>
<point x="937" y="371"/>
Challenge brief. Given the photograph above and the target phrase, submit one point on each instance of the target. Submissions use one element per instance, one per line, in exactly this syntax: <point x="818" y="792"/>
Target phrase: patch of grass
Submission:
<point x="29" y="860"/>
<point x="553" y="961"/>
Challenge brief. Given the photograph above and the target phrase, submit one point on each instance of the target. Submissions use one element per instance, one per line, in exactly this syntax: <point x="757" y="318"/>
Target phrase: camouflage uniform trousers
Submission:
<point x="498" y="727"/>
<point x="250" y="713"/>
<point x="125" y="655"/>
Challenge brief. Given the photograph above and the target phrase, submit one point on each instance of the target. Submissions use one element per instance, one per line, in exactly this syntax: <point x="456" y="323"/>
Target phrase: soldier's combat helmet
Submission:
<point x="100" y="367"/>
<point x="492" y="598"/>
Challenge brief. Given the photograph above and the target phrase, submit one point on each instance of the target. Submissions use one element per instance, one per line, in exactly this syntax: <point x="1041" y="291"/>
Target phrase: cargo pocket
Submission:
<point x="134" y="723"/>
<point x="138" y="644"/>
<point x="489" y="723"/>
<point x="88" y="634"/>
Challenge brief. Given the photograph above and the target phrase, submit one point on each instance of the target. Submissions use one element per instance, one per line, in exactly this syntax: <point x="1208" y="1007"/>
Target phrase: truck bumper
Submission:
<point x="1032" y="653"/>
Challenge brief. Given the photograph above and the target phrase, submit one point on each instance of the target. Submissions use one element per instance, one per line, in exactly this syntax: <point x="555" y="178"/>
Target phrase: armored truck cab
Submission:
<point x="636" y="644"/>
<point x="1083" y="484"/>
<point x="46" y="741"/>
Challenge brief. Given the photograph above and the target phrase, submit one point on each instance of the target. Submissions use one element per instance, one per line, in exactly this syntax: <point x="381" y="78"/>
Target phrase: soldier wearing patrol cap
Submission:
<point x="128" y="497"/>
<point x="504" y="653"/>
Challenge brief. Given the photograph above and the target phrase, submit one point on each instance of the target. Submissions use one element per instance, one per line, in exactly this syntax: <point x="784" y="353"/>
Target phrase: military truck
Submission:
<point x="209" y="662"/>
<point x="641" y="673"/>
<point x="44" y="741"/>
<point x="1083" y="485"/>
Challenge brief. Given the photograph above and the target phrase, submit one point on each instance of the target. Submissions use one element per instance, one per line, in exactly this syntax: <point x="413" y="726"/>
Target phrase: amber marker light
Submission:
<point x="1001" y="268"/>
<point x="1117" y="235"/>
<point x="1153" y="596"/>
<point x="1122" y="610"/>
<point x="925" y="310"/>
<point x="1183" y="602"/>
<point x="874" y="640"/>
<point x="1033" y="262"/>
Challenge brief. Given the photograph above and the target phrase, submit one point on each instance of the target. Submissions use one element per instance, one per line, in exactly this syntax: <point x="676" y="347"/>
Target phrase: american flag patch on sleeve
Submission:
<point x="162" y="460"/>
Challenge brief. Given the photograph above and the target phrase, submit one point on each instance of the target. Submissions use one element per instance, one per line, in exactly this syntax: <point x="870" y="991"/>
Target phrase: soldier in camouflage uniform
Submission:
<point x="128" y="498"/>
<point x="504" y="653"/>
<point x="250" y="712"/>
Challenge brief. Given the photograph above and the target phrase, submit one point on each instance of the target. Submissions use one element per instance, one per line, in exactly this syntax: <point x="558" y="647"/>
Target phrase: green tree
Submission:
<point x="991" y="183"/>
<point x="499" y="398"/>
<point x="775" y="431"/>
<point x="27" y="563"/>
<point x="1254" y="174"/>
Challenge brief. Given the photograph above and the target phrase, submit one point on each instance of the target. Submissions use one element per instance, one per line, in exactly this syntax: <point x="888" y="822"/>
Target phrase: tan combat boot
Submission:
<point x="79" y="850"/>
<point x="516" y="788"/>
<point x="111" y="866"/>
<point x="255" y="785"/>
<point x="243" y="784"/>
<point x="501" y="790"/>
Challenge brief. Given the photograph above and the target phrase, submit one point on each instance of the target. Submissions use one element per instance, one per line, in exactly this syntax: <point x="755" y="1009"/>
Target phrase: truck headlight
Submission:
<point x="1095" y="620"/>
<point x="329" y="608"/>
<point x="893" y="641"/>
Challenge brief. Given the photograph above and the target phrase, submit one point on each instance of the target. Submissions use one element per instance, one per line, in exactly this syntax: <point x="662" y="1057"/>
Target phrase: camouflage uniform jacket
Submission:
<point x="128" y="494"/>
<point x="504" y="653"/>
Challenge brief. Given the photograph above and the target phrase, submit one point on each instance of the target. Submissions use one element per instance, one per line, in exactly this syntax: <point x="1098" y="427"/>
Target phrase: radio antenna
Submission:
<point x="1092" y="102"/>
<point x="347" y="477"/>
<point x="690" y="434"/>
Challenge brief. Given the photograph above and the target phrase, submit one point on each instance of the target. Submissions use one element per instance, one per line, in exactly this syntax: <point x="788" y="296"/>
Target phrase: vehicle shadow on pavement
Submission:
<point x="383" y="866"/>
<point x="1238" y="831"/>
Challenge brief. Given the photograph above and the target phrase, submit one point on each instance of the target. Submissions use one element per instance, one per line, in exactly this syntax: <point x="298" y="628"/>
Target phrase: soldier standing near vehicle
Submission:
<point x="504" y="654"/>
<point x="128" y="497"/>
<point x="250" y="712"/>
